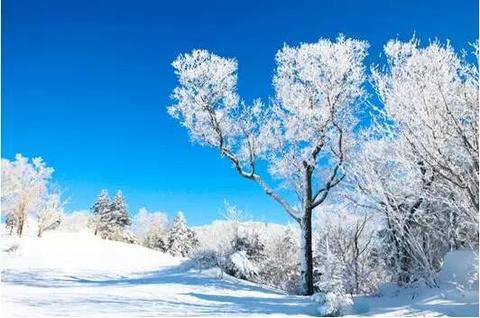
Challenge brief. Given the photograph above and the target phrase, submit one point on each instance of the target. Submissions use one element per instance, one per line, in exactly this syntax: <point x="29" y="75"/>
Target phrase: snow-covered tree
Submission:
<point x="431" y="95"/>
<point x="419" y="167"/>
<point x="280" y="266"/>
<point x="100" y="209"/>
<point x="303" y="135"/>
<point x="11" y="221"/>
<point x="118" y="210"/>
<point x="111" y="217"/>
<point x="181" y="239"/>
<point x="248" y="241"/>
<point x="151" y="229"/>
<point x="331" y="295"/>
<point x="346" y="249"/>
<point x="24" y="184"/>
<point x="50" y="214"/>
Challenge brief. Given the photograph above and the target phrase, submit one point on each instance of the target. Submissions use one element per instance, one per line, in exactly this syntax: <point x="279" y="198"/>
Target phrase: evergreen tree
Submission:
<point x="328" y="270"/>
<point x="101" y="210"/>
<point x="156" y="242"/>
<point x="111" y="216"/>
<point x="119" y="213"/>
<point x="181" y="239"/>
<point x="249" y="241"/>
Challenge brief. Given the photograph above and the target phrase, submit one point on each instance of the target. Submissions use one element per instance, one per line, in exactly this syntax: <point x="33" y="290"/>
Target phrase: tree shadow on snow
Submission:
<point x="268" y="302"/>
<point x="289" y="305"/>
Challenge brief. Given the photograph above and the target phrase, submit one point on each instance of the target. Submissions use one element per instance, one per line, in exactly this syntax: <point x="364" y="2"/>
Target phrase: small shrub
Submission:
<point x="332" y="304"/>
<point x="238" y="265"/>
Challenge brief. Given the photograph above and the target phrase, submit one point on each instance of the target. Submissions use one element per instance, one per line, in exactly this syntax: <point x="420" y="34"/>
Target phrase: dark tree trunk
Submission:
<point x="306" y="257"/>
<point x="21" y="220"/>
<point x="306" y="253"/>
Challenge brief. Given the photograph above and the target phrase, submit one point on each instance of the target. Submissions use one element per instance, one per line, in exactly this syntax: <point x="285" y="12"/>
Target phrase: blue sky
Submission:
<point x="85" y="85"/>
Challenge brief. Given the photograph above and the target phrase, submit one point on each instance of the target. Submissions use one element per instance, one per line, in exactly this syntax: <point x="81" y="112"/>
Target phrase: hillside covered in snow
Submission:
<point x="76" y="274"/>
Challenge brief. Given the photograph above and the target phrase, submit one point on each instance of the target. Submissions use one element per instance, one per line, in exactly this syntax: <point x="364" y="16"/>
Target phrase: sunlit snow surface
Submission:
<point x="78" y="275"/>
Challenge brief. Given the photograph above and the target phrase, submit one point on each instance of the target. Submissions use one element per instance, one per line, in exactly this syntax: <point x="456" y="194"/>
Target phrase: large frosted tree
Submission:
<point x="24" y="184"/>
<point x="303" y="135"/>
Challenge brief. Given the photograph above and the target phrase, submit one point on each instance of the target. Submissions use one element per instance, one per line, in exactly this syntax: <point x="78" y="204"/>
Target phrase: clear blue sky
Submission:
<point x="85" y="85"/>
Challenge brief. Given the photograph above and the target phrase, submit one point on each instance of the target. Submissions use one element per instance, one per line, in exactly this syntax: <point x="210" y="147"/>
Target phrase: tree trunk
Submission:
<point x="20" y="226"/>
<point x="21" y="221"/>
<point x="306" y="257"/>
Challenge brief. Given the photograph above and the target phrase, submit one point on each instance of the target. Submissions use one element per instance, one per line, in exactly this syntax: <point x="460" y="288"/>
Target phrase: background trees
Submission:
<point x="151" y="229"/>
<point x="309" y="121"/>
<point x="111" y="217"/>
<point x="419" y="164"/>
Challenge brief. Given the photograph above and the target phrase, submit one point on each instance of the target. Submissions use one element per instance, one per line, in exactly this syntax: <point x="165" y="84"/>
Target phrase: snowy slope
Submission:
<point x="80" y="275"/>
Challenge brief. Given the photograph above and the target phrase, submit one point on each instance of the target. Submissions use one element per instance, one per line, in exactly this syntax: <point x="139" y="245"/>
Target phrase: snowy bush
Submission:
<point x="239" y="265"/>
<point x="121" y="235"/>
<point x="248" y="241"/>
<point x="205" y="259"/>
<point x="269" y="251"/>
<point x="331" y="297"/>
<point x="332" y="304"/>
<point x="13" y="248"/>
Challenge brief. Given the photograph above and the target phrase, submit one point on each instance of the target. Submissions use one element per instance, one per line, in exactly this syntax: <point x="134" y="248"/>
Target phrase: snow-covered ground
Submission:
<point x="75" y="274"/>
<point x="455" y="296"/>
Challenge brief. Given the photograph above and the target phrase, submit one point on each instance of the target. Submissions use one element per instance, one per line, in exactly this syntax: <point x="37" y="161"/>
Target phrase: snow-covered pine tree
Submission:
<point x="181" y="239"/>
<point x="100" y="210"/>
<point x="329" y="278"/>
<point x="112" y="218"/>
<point x="249" y="241"/>
<point x="331" y="297"/>
<point x="119" y="211"/>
